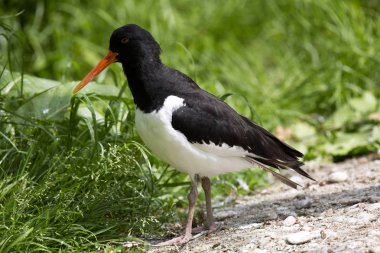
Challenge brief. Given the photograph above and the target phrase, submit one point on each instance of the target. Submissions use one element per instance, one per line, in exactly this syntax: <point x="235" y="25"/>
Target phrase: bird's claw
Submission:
<point x="175" y="241"/>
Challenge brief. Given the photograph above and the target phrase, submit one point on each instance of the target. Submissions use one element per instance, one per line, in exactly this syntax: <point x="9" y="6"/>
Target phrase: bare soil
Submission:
<point x="339" y="213"/>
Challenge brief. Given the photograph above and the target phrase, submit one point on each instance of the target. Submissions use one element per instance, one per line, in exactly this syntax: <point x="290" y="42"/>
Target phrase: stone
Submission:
<point x="289" y="221"/>
<point x="250" y="226"/>
<point x="301" y="237"/>
<point x="337" y="177"/>
<point x="329" y="234"/>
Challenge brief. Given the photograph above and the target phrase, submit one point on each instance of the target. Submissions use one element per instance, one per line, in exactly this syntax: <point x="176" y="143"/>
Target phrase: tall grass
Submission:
<point x="74" y="174"/>
<point x="71" y="182"/>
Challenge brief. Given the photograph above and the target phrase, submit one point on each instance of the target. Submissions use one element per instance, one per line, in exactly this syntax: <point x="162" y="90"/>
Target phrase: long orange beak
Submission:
<point x="107" y="60"/>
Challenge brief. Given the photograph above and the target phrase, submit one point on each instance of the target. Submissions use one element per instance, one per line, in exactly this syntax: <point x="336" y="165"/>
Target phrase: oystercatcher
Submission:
<point x="189" y="128"/>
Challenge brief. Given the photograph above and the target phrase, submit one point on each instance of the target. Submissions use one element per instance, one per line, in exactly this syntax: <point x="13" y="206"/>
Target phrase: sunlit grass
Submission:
<point x="71" y="182"/>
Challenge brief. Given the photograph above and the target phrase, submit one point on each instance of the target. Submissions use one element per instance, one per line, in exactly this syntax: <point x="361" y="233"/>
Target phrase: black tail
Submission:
<point x="272" y="152"/>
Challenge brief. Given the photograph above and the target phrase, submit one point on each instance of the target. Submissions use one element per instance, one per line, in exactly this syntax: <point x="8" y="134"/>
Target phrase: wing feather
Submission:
<point x="207" y="119"/>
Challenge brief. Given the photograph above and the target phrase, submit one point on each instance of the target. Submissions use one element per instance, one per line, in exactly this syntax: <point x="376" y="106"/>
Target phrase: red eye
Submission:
<point x="125" y="40"/>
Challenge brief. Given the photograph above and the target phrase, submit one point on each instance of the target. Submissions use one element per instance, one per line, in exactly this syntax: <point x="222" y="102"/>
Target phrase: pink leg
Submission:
<point x="192" y="197"/>
<point x="206" y="185"/>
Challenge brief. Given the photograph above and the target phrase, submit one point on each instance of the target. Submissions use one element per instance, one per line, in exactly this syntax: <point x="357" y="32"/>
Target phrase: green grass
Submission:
<point x="74" y="175"/>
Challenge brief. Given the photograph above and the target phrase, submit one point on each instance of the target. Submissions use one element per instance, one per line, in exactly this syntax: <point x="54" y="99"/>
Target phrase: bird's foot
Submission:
<point x="176" y="240"/>
<point x="186" y="237"/>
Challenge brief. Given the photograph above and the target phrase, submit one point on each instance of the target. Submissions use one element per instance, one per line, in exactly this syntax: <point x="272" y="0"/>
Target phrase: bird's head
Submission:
<point x="133" y="43"/>
<point x="129" y="44"/>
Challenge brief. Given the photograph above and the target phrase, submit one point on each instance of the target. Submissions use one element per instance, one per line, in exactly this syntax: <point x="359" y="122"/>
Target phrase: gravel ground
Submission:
<point x="339" y="213"/>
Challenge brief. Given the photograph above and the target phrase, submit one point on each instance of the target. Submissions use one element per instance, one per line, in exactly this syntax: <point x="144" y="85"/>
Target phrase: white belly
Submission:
<point x="170" y="145"/>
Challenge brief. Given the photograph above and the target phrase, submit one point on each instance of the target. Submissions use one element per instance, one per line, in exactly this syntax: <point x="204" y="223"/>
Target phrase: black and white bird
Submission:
<point x="189" y="128"/>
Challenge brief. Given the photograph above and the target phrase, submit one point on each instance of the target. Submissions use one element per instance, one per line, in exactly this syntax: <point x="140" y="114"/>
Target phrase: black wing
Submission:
<point x="206" y="119"/>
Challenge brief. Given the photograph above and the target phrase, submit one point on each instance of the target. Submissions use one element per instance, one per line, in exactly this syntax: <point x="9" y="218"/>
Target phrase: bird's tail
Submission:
<point x="276" y="154"/>
<point x="269" y="168"/>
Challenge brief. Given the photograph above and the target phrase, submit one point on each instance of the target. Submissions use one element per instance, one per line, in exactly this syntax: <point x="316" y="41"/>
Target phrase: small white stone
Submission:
<point x="290" y="221"/>
<point x="301" y="237"/>
<point x="338" y="177"/>
<point x="329" y="234"/>
<point x="249" y="226"/>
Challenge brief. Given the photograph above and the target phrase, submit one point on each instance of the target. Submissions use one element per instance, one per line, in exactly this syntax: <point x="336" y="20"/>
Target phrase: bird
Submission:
<point x="187" y="127"/>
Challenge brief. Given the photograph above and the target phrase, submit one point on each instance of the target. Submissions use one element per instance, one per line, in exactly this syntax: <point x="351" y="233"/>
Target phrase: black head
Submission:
<point x="133" y="43"/>
<point x="130" y="45"/>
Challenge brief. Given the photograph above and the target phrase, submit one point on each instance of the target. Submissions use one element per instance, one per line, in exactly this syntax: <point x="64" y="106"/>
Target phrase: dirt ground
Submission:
<point x="339" y="213"/>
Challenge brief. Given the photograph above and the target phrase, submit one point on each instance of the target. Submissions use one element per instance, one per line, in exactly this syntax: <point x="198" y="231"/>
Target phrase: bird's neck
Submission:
<point x="142" y="80"/>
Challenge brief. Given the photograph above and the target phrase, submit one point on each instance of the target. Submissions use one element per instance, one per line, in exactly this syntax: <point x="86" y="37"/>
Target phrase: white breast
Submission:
<point x="170" y="145"/>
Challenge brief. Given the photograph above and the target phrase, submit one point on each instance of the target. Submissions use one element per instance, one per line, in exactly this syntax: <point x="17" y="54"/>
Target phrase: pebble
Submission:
<point x="338" y="177"/>
<point x="252" y="225"/>
<point x="301" y="237"/>
<point x="290" y="221"/>
<point x="329" y="234"/>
